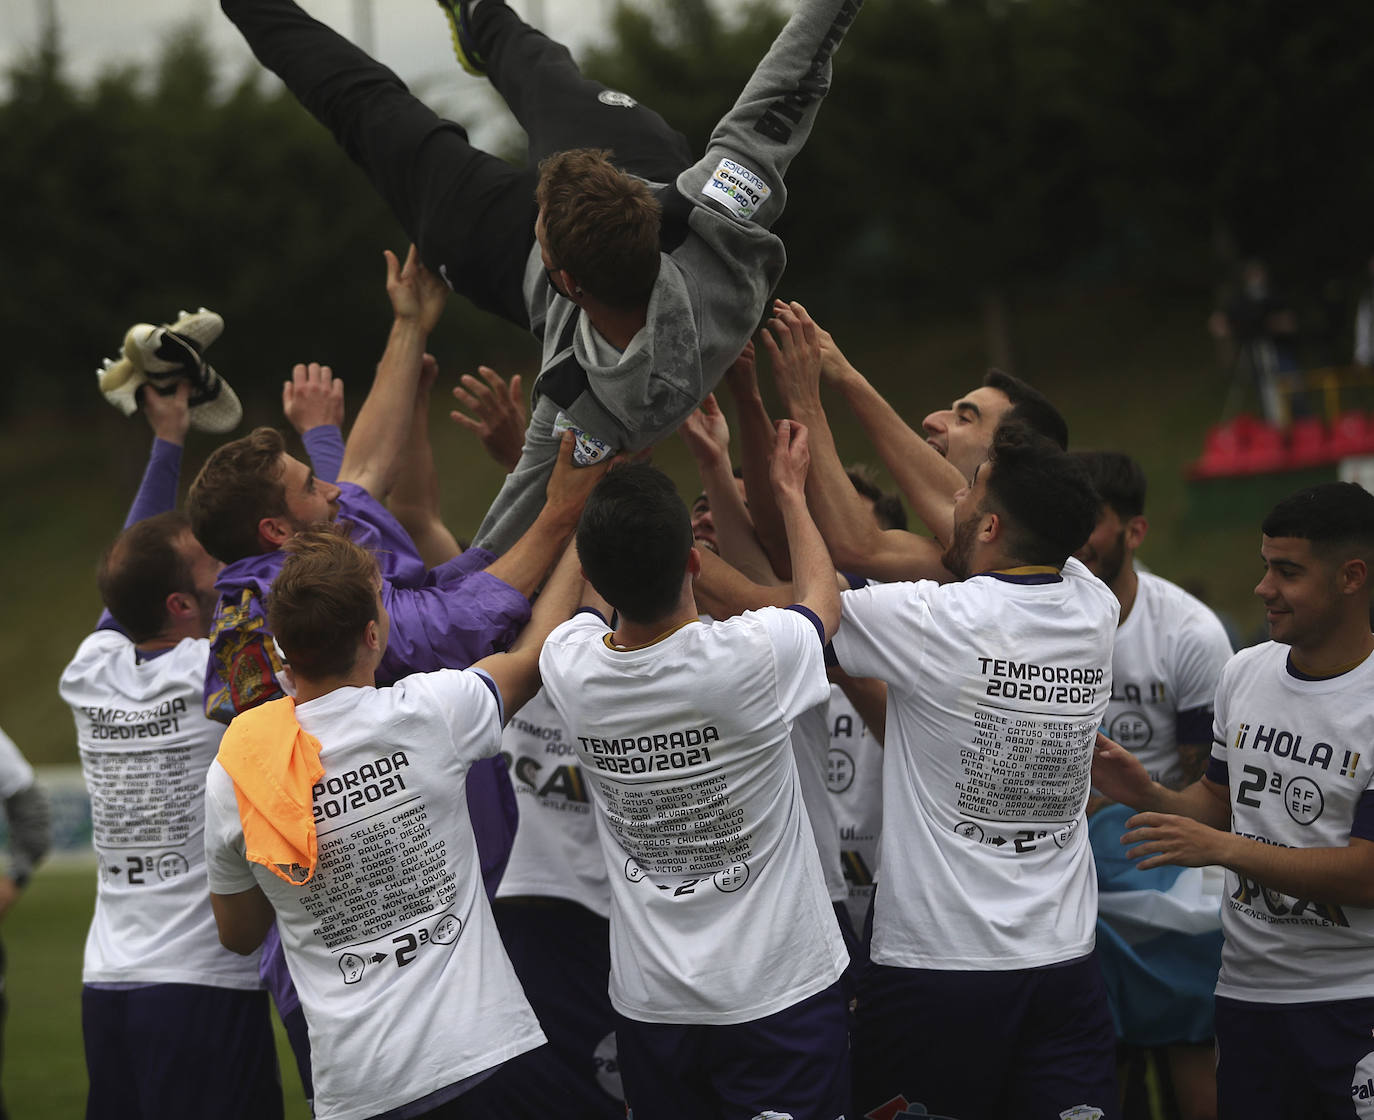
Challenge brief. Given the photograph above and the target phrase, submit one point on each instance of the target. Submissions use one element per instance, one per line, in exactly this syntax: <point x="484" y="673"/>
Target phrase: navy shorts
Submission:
<point x="180" y="1050"/>
<point x="1295" y="1061"/>
<point x="794" y="1062"/>
<point x="561" y="953"/>
<point x="1034" y="1044"/>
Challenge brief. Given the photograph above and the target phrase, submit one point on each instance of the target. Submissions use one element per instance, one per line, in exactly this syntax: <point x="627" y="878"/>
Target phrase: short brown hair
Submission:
<point x="322" y="600"/>
<point x="887" y="508"/>
<point x="240" y="484"/>
<point x="142" y="566"/>
<point x="601" y="225"/>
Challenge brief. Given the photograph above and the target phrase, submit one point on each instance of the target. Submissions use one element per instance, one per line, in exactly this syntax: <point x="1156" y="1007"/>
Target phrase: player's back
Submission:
<point x="719" y="907"/>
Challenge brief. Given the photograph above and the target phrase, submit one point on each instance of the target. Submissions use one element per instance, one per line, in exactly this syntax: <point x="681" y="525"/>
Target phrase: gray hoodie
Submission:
<point x="720" y="265"/>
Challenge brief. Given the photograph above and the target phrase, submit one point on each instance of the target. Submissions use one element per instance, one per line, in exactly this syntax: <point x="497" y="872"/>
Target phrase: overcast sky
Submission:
<point x="410" y="36"/>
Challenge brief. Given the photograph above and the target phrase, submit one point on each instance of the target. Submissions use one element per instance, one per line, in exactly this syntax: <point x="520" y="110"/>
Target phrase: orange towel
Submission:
<point x="275" y="766"/>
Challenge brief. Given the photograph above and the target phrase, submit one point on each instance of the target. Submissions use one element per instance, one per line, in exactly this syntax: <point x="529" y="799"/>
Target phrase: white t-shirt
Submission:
<point x="811" y="746"/>
<point x="854" y="778"/>
<point x="1169" y="654"/>
<point x="15" y="772"/>
<point x="556" y="853"/>
<point x="719" y="909"/>
<point x="1299" y="756"/>
<point x="145" y="746"/>
<point x="401" y="973"/>
<point x="996" y="687"/>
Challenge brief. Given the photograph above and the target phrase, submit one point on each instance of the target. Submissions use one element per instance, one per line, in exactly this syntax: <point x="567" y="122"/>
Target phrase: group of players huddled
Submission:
<point x="767" y="808"/>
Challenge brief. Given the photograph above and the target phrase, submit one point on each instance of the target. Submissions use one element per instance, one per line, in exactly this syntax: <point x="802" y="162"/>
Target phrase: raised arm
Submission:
<point x="528" y="560"/>
<point x="313" y="403"/>
<point x="813" y="575"/>
<point x="856" y="542"/>
<point x="756" y="443"/>
<point x="415" y="497"/>
<point x="169" y="416"/>
<point x="926" y="478"/>
<point x="774" y="114"/>
<point x="516" y="672"/>
<point x="373" y="451"/>
<point x="707" y="435"/>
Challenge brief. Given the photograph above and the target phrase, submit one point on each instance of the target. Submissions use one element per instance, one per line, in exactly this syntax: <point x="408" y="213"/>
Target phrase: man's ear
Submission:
<point x="694" y="562"/>
<point x="181" y="606"/>
<point x="1136" y="529"/>
<point x="1353" y="576"/>
<point x="570" y="285"/>
<point x="989" y="527"/>
<point x="372" y="636"/>
<point x="273" y="532"/>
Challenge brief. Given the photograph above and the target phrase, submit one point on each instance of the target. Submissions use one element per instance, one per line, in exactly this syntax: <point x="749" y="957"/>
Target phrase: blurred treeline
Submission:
<point x="972" y="154"/>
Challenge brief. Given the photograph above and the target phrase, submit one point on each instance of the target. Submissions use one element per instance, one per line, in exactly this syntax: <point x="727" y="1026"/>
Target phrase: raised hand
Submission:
<point x="169" y="415"/>
<point x="499" y="413"/>
<point x="706" y="433"/>
<point x="415" y="292"/>
<point x="793" y="346"/>
<point x="313" y="397"/>
<point x="790" y="460"/>
<point x="569" y="485"/>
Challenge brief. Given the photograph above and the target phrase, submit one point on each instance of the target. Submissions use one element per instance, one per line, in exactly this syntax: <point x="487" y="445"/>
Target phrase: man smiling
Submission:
<point x="1286" y="806"/>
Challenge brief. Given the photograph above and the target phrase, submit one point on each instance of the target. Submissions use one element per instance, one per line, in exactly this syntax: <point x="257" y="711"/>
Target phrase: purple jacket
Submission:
<point x="446" y="617"/>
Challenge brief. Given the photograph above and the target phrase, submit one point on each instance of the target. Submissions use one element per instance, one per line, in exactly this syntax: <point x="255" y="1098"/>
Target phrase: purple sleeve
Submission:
<point x="157" y="493"/>
<point x="494" y="816"/>
<point x="274" y="974"/>
<point x="467" y="562"/>
<point x="449" y="626"/>
<point x="1217" y="772"/>
<point x="325" y="446"/>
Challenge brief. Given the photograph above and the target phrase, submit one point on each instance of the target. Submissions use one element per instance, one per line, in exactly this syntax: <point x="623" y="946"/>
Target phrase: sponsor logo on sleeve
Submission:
<point x="738" y="189"/>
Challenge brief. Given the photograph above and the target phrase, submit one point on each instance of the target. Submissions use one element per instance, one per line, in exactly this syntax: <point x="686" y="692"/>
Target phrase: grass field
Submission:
<point x="45" y="1071"/>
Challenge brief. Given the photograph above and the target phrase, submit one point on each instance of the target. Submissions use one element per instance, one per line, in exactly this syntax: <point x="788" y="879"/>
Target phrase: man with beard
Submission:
<point x="985" y="906"/>
<point x="1169" y="652"/>
<point x="1286" y="807"/>
<point x="929" y="469"/>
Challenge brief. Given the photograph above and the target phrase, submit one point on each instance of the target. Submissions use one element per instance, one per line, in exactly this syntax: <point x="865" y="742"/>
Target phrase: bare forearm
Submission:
<point x="813" y="573"/>
<point x="926" y="478"/>
<point x="414" y="498"/>
<point x="374" y="446"/>
<point x="756" y="436"/>
<point x="516" y="672"/>
<point x="1203" y="801"/>
<point x="735" y="536"/>
<point x="869" y="697"/>
<point x="845" y="524"/>
<point x="529" y="559"/>
<point x="723" y="591"/>
<point x="1340" y="876"/>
